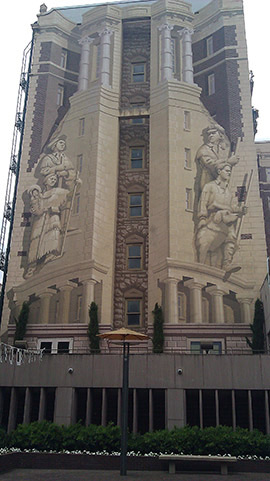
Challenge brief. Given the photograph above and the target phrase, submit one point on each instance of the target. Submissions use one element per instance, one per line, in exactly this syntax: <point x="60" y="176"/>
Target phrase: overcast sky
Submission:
<point x="16" y="32"/>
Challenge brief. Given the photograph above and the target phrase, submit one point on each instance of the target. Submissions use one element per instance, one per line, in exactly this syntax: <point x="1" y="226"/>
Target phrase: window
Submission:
<point x="81" y="126"/>
<point x="181" y="300"/>
<point x="76" y="205"/>
<point x="60" y="95"/>
<point x="187" y="159"/>
<point x="267" y="172"/>
<point x="134" y="256"/>
<point x="135" y="205"/>
<point x="56" y="346"/>
<point x="133" y="312"/>
<point x="199" y="347"/>
<point x="136" y="157"/>
<point x="47" y="346"/>
<point x="211" y="84"/>
<point x="137" y="120"/>
<point x="186" y="120"/>
<point x="63" y="59"/>
<point x="79" y="308"/>
<point x="188" y="199"/>
<point x="79" y="163"/>
<point x="138" y="72"/>
<point x="209" y="46"/>
<point x="63" y="347"/>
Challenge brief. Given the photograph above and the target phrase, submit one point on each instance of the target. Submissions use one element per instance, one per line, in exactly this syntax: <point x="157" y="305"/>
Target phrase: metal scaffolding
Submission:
<point x="14" y="167"/>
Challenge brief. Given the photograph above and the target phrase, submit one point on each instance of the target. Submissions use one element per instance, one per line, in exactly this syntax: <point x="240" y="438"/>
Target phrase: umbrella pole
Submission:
<point x="124" y="418"/>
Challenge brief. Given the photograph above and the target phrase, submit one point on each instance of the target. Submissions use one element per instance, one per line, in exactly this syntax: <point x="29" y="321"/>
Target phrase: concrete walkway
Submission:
<point x="82" y="475"/>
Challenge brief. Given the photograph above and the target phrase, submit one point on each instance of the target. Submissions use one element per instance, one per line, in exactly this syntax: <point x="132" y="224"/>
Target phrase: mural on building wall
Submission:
<point x="218" y="213"/>
<point x="51" y="203"/>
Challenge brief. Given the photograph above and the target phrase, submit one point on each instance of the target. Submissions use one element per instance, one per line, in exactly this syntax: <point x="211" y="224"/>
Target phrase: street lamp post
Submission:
<point x="124" y="416"/>
<point x="124" y="335"/>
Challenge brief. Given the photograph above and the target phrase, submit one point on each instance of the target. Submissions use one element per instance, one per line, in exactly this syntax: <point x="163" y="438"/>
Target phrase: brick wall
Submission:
<point x="131" y="135"/>
<point x="225" y="104"/>
<point x="46" y="114"/>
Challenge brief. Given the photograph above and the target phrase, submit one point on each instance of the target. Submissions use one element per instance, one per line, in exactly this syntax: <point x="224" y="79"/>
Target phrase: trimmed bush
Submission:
<point x="46" y="436"/>
<point x="42" y="435"/>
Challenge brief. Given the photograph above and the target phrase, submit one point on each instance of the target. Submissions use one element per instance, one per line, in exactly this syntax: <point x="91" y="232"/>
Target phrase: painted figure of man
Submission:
<point x="47" y="234"/>
<point x="218" y="212"/>
<point x="56" y="162"/>
<point x="213" y="153"/>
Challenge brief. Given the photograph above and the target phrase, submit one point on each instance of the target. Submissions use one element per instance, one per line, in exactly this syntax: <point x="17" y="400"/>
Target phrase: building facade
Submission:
<point x="139" y="185"/>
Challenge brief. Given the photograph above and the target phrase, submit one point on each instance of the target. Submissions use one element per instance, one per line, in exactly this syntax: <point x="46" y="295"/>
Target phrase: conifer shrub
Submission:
<point x="257" y="343"/>
<point x="93" y="331"/>
<point x="21" y="323"/>
<point x="158" y="336"/>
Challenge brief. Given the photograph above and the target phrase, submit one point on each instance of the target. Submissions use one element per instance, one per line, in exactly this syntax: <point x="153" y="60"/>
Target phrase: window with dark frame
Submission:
<point x="138" y="72"/>
<point x="135" y="205"/>
<point x="133" y="312"/>
<point x="81" y="126"/>
<point x="211" y="84"/>
<point x="63" y="59"/>
<point x="134" y="256"/>
<point x="60" y="95"/>
<point x="136" y="157"/>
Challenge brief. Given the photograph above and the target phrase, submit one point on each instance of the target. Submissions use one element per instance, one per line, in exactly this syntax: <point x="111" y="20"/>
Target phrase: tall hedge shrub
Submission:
<point x="94" y="339"/>
<point x="158" y="336"/>
<point x="21" y="323"/>
<point x="257" y="343"/>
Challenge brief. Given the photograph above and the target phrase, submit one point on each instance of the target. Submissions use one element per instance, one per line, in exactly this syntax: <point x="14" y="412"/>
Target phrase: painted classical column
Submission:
<point x="84" y="63"/>
<point x="171" y="301"/>
<point x="217" y="304"/>
<point x="187" y="59"/>
<point x="45" y="299"/>
<point x="166" y="52"/>
<point x="245" y="304"/>
<point x="105" y="60"/>
<point x="196" y="316"/>
<point x="88" y="297"/>
<point x="64" y="307"/>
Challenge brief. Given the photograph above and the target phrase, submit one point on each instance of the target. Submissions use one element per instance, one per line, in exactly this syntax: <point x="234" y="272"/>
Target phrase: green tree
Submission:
<point x="21" y="323"/>
<point x="158" y="337"/>
<point x="257" y="328"/>
<point x="93" y="328"/>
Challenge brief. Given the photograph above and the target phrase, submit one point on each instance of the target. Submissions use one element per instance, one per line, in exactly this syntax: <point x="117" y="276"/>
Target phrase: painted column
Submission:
<point x="135" y="412"/>
<point x="42" y="403"/>
<point x="88" y="297"/>
<point x="64" y="307"/>
<point x="151" y="415"/>
<point x="27" y="406"/>
<point x="187" y="59"/>
<point x="105" y="61"/>
<point x="12" y="410"/>
<point x="84" y="63"/>
<point x="195" y="288"/>
<point x="250" y="413"/>
<point x="45" y="299"/>
<point x="104" y="407"/>
<point x="217" y="304"/>
<point x="171" y="301"/>
<point x="88" y="407"/>
<point x="245" y="304"/>
<point x="166" y="52"/>
<point x="266" y="403"/>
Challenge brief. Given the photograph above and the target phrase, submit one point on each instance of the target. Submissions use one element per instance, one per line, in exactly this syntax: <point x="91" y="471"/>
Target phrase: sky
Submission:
<point x="15" y="33"/>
